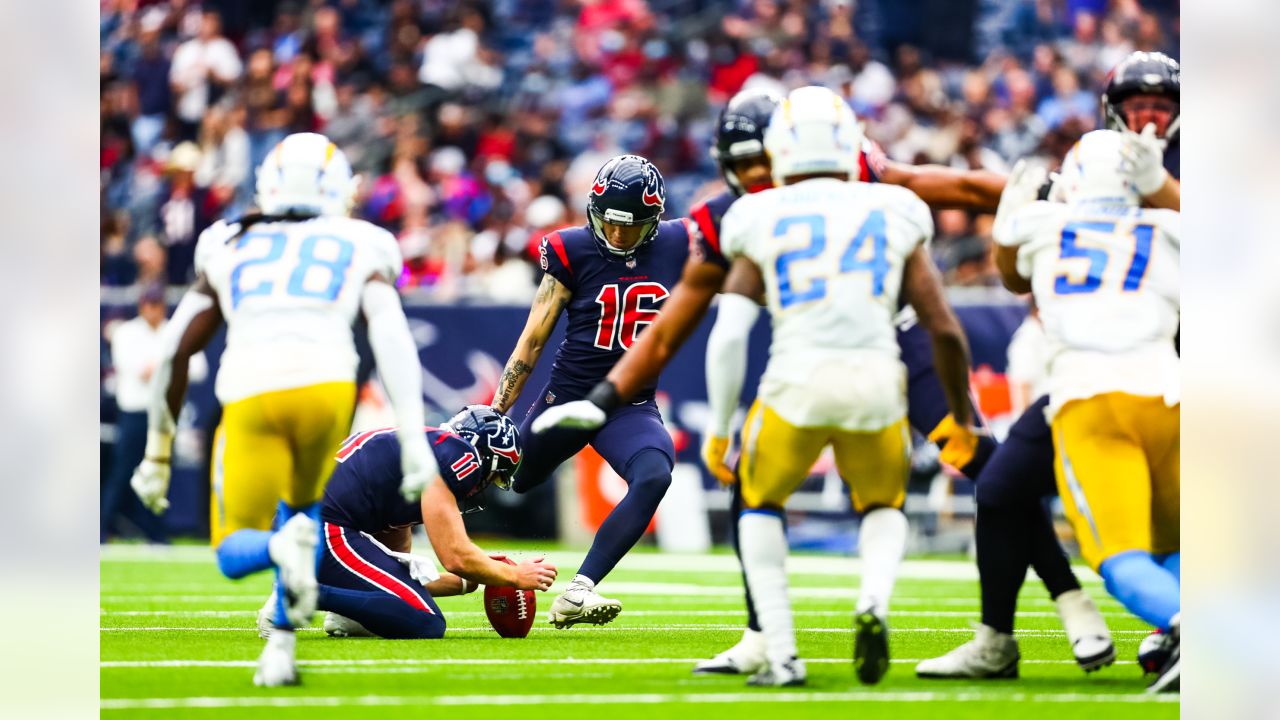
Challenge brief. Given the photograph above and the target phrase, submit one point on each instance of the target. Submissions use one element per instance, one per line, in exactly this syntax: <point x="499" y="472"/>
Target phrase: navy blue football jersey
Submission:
<point x="364" y="492"/>
<point x="614" y="299"/>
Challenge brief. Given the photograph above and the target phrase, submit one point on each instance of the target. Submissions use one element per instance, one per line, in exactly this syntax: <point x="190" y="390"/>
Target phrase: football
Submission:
<point x="510" y="611"/>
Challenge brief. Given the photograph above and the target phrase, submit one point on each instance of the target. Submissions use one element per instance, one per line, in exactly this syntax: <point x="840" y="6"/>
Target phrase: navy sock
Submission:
<point x="244" y="552"/>
<point x="735" y="509"/>
<point x="382" y="614"/>
<point x="1144" y="587"/>
<point x="283" y="513"/>
<point x="1047" y="556"/>
<point x="648" y="476"/>
<point x="1003" y="557"/>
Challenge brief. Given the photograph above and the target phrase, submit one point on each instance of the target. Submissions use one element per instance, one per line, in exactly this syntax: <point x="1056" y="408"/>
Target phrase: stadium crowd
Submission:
<point x="477" y="125"/>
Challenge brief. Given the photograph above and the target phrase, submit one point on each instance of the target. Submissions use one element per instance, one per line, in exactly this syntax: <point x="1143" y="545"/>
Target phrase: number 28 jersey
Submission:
<point x="290" y="292"/>
<point x="831" y="254"/>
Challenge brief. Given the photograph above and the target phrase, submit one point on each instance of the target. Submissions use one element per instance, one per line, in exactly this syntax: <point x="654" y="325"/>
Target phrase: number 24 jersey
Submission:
<point x="290" y="292"/>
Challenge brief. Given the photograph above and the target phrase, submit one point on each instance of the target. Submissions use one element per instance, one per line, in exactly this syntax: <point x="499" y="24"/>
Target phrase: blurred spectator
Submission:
<point x="203" y="67"/>
<point x="185" y="210"/>
<point x="151" y="82"/>
<point x="224" y="155"/>
<point x="1069" y="101"/>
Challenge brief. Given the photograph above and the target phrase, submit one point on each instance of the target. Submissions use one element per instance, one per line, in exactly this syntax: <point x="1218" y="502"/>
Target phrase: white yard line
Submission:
<point x="629" y="699"/>
<point x="641" y="628"/>
<point x="629" y="613"/>
<point x="431" y="662"/>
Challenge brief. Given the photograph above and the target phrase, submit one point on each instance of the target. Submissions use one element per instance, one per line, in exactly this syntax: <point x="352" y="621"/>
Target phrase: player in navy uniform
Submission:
<point x="613" y="276"/>
<point x="739" y="151"/>
<point x="368" y="582"/>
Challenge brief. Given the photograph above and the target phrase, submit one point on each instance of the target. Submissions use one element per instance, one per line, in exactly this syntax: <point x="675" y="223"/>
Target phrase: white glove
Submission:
<point x="580" y="414"/>
<point x="421" y="568"/>
<point x="151" y="482"/>
<point x="1142" y="159"/>
<point x="417" y="465"/>
<point x="1020" y="189"/>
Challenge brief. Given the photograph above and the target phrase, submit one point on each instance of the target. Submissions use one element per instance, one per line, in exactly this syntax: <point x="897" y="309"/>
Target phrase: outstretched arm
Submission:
<point x="922" y="287"/>
<point x="727" y="361"/>
<point x="193" y="324"/>
<point x="944" y="187"/>
<point x="550" y="301"/>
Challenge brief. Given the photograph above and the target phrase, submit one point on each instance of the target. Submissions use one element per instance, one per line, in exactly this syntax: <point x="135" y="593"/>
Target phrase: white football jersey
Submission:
<point x="1106" y="280"/>
<point x="832" y="255"/>
<point x="290" y="292"/>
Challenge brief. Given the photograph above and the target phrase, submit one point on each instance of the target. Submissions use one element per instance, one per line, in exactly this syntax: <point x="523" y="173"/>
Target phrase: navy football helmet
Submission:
<point x="497" y="442"/>
<point x="628" y="191"/>
<point x="1146" y="73"/>
<point x="740" y="133"/>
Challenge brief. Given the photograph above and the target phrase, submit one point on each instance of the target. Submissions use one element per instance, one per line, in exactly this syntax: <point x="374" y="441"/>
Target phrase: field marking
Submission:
<point x="355" y="664"/>
<point x="629" y="699"/>
<point x="630" y="613"/>
<point x="652" y="562"/>
<point x="640" y="628"/>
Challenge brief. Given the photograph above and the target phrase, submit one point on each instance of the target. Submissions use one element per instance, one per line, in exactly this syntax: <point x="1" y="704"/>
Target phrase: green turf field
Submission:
<point x="178" y="641"/>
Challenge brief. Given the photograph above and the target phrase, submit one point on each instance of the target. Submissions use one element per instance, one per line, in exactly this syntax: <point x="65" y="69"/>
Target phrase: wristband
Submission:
<point x="159" y="446"/>
<point x="604" y="396"/>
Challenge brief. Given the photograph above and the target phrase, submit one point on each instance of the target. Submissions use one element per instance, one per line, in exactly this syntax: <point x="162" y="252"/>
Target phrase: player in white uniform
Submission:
<point x="830" y="257"/>
<point x="1106" y="278"/>
<point x="288" y="283"/>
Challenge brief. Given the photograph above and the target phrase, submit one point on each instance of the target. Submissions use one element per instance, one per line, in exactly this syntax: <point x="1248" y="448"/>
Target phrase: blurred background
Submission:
<point x="478" y="126"/>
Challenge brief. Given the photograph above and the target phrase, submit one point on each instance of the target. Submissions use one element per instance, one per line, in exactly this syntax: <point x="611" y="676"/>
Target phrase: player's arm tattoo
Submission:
<point x="548" y="303"/>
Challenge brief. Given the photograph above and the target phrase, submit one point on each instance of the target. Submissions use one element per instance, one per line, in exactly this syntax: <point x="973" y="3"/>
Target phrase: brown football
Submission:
<point x="510" y="611"/>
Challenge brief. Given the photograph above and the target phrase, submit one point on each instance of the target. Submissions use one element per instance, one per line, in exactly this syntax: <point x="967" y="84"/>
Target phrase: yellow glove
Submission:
<point x="714" y="450"/>
<point x="958" y="443"/>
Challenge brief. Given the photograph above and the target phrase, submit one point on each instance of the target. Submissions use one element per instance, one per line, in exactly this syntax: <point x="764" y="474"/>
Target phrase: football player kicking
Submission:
<point x="830" y="257"/>
<point x="289" y="282"/>
<point x="1106" y="279"/>
<point x="740" y="153"/>
<point x="369" y="582"/>
<point x="612" y="276"/>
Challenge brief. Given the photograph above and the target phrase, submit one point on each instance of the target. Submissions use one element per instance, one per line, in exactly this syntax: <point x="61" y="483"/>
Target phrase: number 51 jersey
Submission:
<point x="289" y="292"/>
<point x="831" y="254"/>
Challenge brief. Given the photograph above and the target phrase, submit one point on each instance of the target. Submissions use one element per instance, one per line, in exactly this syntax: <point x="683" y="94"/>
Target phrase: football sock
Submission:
<point x="1003" y="558"/>
<point x="648" y="476"/>
<point x="244" y="552"/>
<point x="283" y="513"/>
<point x="581" y="579"/>
<point x="735" y="509"/>
<point x="882" y="541"/>
<point x="1173" y="563"/>
<point x="1047" y="556"/>
<point x="383" y="614"/>
<point x="764" y="555"/>
<point x="1144" y="587"/>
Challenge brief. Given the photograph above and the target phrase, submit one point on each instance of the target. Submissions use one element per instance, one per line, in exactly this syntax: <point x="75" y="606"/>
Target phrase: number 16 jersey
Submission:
<point x="290" y="292"/>
<point x="831" y="254"/>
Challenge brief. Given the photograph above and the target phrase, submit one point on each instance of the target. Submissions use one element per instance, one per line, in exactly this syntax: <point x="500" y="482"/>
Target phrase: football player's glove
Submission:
<point x="1143" y="159"/>
<point x="957" y="443"/>
<point x="714" y="450"/>
<point x="151" y="482"/>
<point x="580" y="414"/>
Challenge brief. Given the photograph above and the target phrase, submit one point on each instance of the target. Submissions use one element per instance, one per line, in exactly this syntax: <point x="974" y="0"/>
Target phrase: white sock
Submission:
<point x="764" y="554"/>
<point x="581" y="579"/>
<point x="1080" y="617"/>
<point x="882" y="541"/>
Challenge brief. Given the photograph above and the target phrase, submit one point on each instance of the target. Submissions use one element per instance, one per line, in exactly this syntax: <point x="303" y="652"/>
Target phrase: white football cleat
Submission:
<point x="276" y="665"/>
<point x="989" y="654"/>
<point x="293" y="550"/>
<point x="582" y="604"/>
<point x="788" y="674"/>
<point x="266" y="615"/>
<point x="340" y="626"/>
<point x="870" y="646"/>
<point x="1086" y="630"/>
<point x="1170" y="677"/>
<point x="747" y="657"/>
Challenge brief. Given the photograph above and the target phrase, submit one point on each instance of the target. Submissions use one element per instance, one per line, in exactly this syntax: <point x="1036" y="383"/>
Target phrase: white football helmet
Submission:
<point x="813" y="130"/>
<point x="1091" y="171"/>
<point x="306" y="174"/>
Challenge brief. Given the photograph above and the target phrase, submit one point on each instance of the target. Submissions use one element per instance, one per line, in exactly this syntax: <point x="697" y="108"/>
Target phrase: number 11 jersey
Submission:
<point x="290" y="292"/>
<point x="831" y="254"/>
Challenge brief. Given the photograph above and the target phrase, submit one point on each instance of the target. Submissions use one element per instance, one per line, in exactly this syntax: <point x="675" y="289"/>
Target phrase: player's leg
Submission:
<point x="544" y="452"/>
<point x="638" y="447"/>
<point x="876" y="466"/>
<point x="1161" y="437"/>
<point x="362" y="583"/>
<point x="747" y="656"/>
<point x="776" y="458"/>
<point x="1106" y="487"/>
